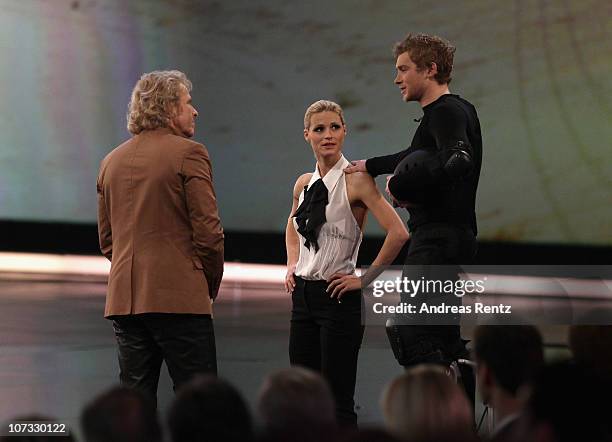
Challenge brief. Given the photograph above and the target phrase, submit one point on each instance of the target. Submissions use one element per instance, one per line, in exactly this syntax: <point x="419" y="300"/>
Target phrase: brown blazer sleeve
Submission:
<point x="105" y="235"/>
<point x="202" y="209"/>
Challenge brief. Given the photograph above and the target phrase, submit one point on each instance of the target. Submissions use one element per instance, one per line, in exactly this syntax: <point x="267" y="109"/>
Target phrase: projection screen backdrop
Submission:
<point x="538" y="73"/>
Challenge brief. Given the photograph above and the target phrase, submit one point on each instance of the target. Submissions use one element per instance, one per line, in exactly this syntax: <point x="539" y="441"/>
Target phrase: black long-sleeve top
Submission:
<point x="445" y="121"/>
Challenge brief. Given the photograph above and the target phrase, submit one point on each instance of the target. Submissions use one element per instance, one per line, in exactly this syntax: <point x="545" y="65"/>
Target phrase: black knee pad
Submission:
<point x="411" y="349"/>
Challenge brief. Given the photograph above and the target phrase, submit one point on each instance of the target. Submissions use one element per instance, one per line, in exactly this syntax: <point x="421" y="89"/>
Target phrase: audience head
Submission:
<point x="591" y="347"/>
<point x="121" y="414"/>
<point x="566" y="404"/>
<point x="208" y="408"/>
<point x="508" y="357"/>
<point x="425" y="404"/>
<point x="296" y="400"/>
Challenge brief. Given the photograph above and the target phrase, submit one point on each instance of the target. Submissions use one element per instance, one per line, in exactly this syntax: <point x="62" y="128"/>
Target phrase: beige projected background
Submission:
<point x="539" y="73"/>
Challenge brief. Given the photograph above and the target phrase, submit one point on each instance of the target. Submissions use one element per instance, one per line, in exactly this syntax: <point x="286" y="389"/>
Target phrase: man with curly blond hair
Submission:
<point x="159" y="226"/>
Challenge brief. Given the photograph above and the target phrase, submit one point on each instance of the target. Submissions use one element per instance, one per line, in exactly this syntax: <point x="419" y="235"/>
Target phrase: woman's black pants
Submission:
<point x="326" y="336"/>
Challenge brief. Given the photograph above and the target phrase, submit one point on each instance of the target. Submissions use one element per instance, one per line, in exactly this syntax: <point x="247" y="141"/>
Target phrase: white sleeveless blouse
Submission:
<point x="340" y="236"/>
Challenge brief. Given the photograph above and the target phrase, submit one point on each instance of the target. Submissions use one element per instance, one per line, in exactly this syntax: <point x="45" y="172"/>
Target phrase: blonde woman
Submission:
<point x="323" y="237"/>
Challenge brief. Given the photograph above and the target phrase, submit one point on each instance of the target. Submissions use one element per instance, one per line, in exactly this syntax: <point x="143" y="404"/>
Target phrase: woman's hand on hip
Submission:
<point x="340" y="283"/>
<point x="290" y="279"/>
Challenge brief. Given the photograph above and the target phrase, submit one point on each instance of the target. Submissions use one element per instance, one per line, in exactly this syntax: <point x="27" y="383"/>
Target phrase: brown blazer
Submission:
<point x="158" y="225"/>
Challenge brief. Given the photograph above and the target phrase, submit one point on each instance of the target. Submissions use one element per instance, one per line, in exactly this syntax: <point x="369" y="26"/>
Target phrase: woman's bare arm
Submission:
<point x="362" y="187"/>
<point x="291" y="237"/>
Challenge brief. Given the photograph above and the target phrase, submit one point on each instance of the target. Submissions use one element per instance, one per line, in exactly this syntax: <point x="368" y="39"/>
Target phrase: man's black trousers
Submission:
<point x="185" y="341"/>
<point x="436" y="251"/>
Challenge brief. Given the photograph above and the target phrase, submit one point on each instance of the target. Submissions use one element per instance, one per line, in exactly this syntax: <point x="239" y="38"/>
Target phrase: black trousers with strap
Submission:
<point x="325" y="336"/>
<point x="436" y="252"/>
<point x="185" y="341"/>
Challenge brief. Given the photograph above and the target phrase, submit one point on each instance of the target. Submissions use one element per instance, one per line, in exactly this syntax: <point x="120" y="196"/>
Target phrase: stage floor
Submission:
<point x="58" y="352"/>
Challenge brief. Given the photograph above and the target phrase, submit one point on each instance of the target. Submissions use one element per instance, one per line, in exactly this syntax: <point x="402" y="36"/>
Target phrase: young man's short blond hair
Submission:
<point x="427" y="49"/>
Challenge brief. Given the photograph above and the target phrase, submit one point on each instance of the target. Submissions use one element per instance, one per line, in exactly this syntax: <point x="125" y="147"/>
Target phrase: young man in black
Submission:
<point x="436" y="180"/>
